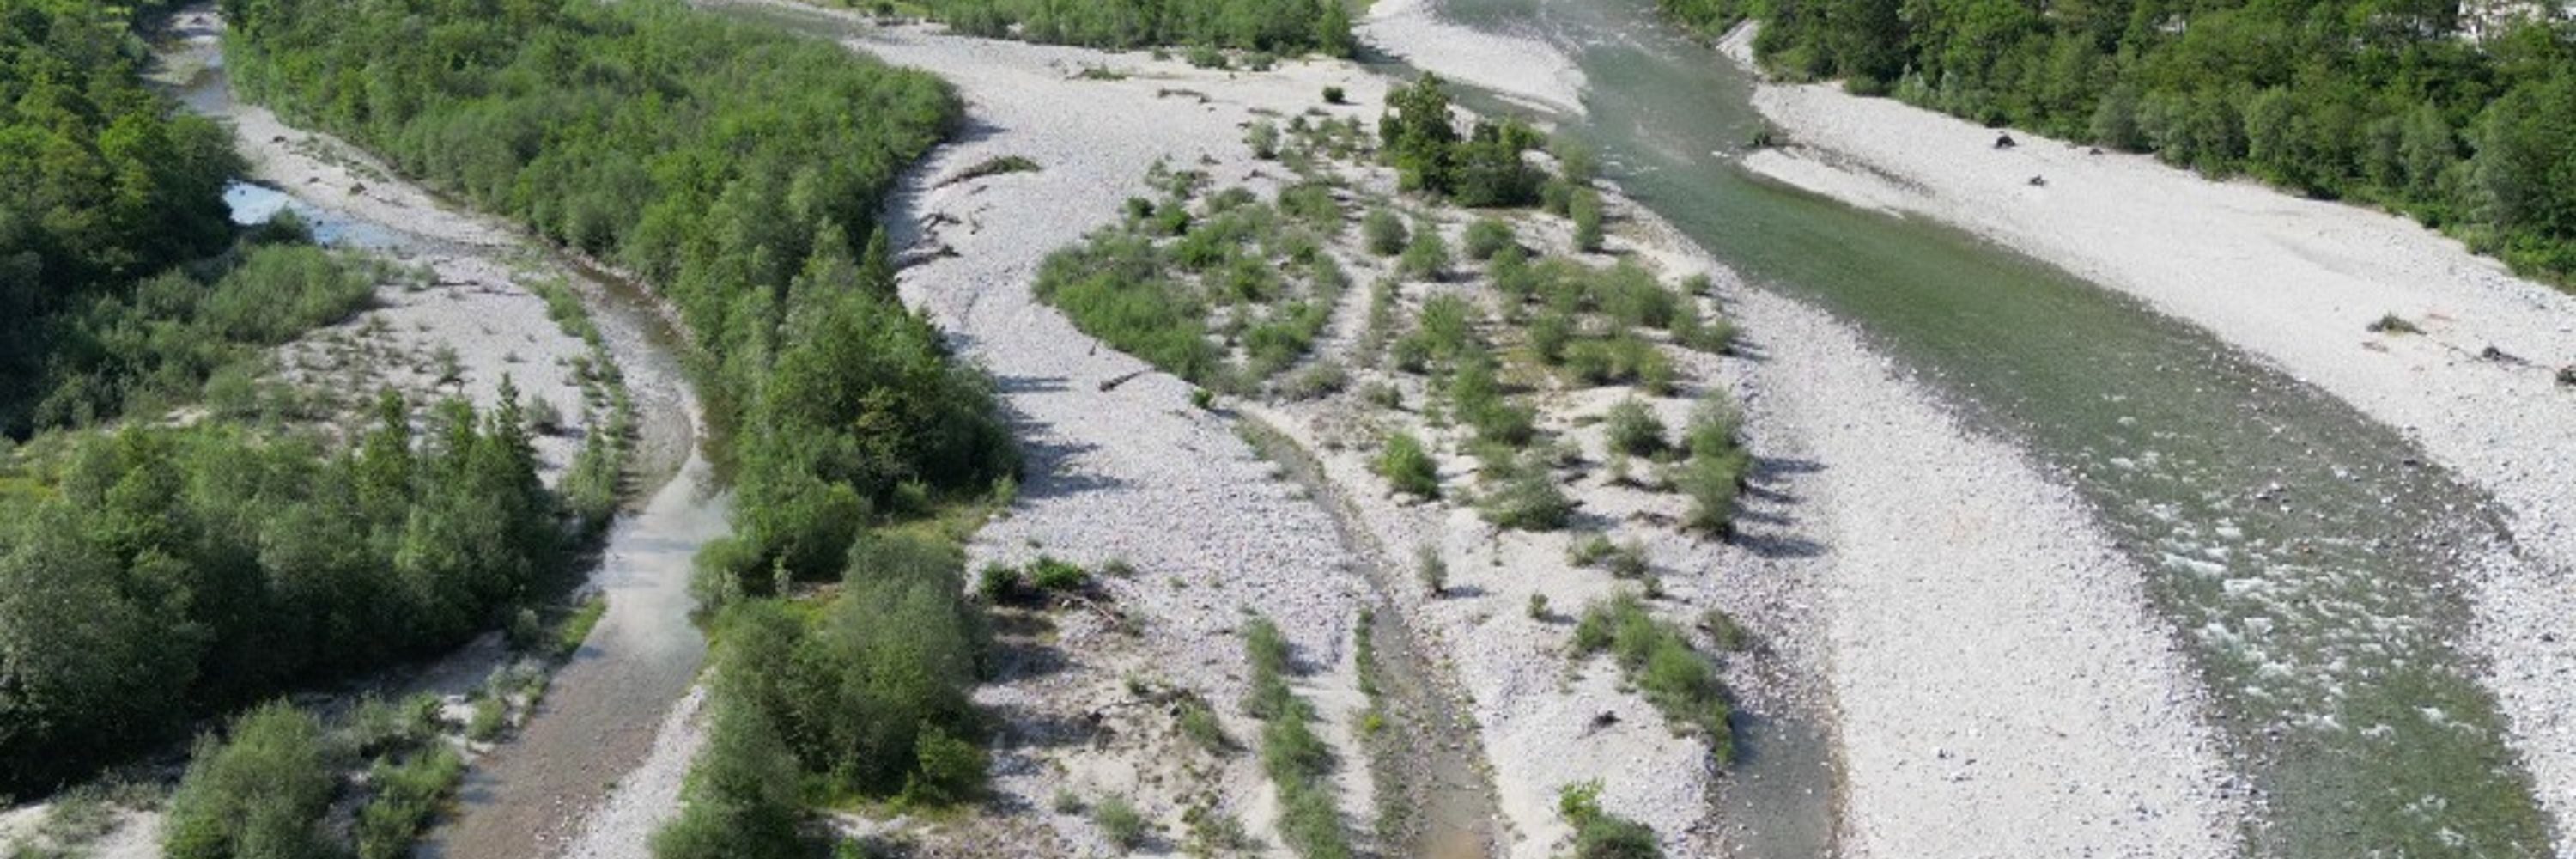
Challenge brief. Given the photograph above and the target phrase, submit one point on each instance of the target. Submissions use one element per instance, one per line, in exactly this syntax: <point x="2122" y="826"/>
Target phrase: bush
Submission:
<point x="1048" y="574"/>
<point x="1524" y="497"/>
<point x="1714" y="473"/>
<point x="1383" y="232"/>
<point x="1599" y="834"/>
<point x="1120" y="822"/>
<point x="1198" y="722"/>
<point x="1334" y="95"/>
<point x="1428" y="567"/>
<point x="261" y="792"/>
<point x="1660" y="662"/>
<point x="1487" y="237"/>
<point x="1631" y="428"/>
<point x="741" y="799"/>
<point x="946" y="769"/>
<point x="1585" y="208"/>
<point x="1263" y="137"/>
<point x="1405" y="464"/>
<point x="1548" y="336"/>
<point x="408" y="796"/>
<point x="1426" y="255"/>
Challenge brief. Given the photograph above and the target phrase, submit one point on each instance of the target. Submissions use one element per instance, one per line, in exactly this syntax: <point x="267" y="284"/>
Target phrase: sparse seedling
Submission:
<point x="1434" y="572"/>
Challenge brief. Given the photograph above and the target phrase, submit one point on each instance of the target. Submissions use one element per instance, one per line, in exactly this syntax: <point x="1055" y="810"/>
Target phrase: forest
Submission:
<point x="2464" y="120"/>
<point x="1277" y="26"/>
<point x="153" y="574"/>
<point x="736" y="171"/>
<point x="730" y="167"/>
<point x="103" y="190"/>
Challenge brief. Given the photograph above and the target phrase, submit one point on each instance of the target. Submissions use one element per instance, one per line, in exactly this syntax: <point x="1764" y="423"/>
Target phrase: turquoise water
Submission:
<point x="2297" y="549"/>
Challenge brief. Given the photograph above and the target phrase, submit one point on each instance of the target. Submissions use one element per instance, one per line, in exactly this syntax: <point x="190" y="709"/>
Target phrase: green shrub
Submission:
<point x="1660" y="662"/>
<point x="1548" y="335"/>
<point x="1714" y="473"/>
<point x="1589" y="548"/>
<point x="1049" y="574"/>
<point x="1632" y="297"/>
<point x="1198" y="722"/>
<point x="1447" y="324"/>
<point x="1524" y="497"/>
<point x="946" y="769"/>
<point x="491" y="716"/>
<point x="1487" y="237"/>
<point x="1383" y="232"/>
<point x="1312" y="204"/>
<point x="1632" y="429"/>
<point x="1405" y="464"/>
<point x="1120" y="822"/>
<point x="1431" y="570"/>
<point x="261" y="792"/>
<point x="1585" y="208"/>
<point x="741" y="799"/>
<point x="1263" y="137"/>
<point x="1599" y="834"/>
<point x="407" y="797"/>
<point x="1426" y="254"/>
<point x="1334" y="95"/>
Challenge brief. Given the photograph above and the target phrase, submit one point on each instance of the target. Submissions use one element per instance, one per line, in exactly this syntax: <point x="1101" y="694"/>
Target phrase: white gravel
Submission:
<point x="622" y="825"/>
<point x="2293" y="281"/>
<point x="1521" y="69"/>
<point x="1135" y="473"/>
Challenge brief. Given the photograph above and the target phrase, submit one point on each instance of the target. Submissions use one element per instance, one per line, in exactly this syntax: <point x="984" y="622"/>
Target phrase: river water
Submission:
<point x="602" y="709"/>
<point x="2304" y="556"/>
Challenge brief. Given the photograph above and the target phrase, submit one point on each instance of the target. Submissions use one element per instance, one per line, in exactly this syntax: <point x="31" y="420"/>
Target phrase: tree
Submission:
<point x="1416" y="134"/>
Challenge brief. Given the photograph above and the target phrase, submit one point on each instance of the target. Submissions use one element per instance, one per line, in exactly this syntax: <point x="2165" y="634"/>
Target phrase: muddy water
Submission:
<point x="601" y="711"/>
<point x="2300" y="552"/>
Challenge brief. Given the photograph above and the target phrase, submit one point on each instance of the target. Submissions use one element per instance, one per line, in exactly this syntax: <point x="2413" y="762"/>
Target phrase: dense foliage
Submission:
<point x="171" y="572"/>
<point x="99" y="187"/>
<point x="261" y="793"/>
<point x="733" y="168"/>
<point x="1280" y="26"/>
<point x="2463" y="115"/>
<point x="1485" y="167"/>
<point x="867" y="696"/>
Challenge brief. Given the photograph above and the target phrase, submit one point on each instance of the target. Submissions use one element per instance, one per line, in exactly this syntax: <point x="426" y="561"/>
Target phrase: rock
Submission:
<point x="2039" y="181"/>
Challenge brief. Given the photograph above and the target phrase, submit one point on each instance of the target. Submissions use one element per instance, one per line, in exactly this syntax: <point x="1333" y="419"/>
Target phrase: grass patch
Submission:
<point x="1660" y="662"/>
<point x="1405" y="464"/>
<point x="1296" y="758"/>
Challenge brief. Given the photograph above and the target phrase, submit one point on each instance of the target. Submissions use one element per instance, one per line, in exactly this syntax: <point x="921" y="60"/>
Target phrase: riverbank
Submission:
<point x="2298" y="283"/>
<point x="1930" y="681"/>
<point x="1129" y="472"/>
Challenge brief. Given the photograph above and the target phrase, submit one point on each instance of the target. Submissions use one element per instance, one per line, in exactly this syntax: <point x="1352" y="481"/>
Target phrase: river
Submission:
<point x="2304" y="555"/>
<point x="603" y="707"/>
